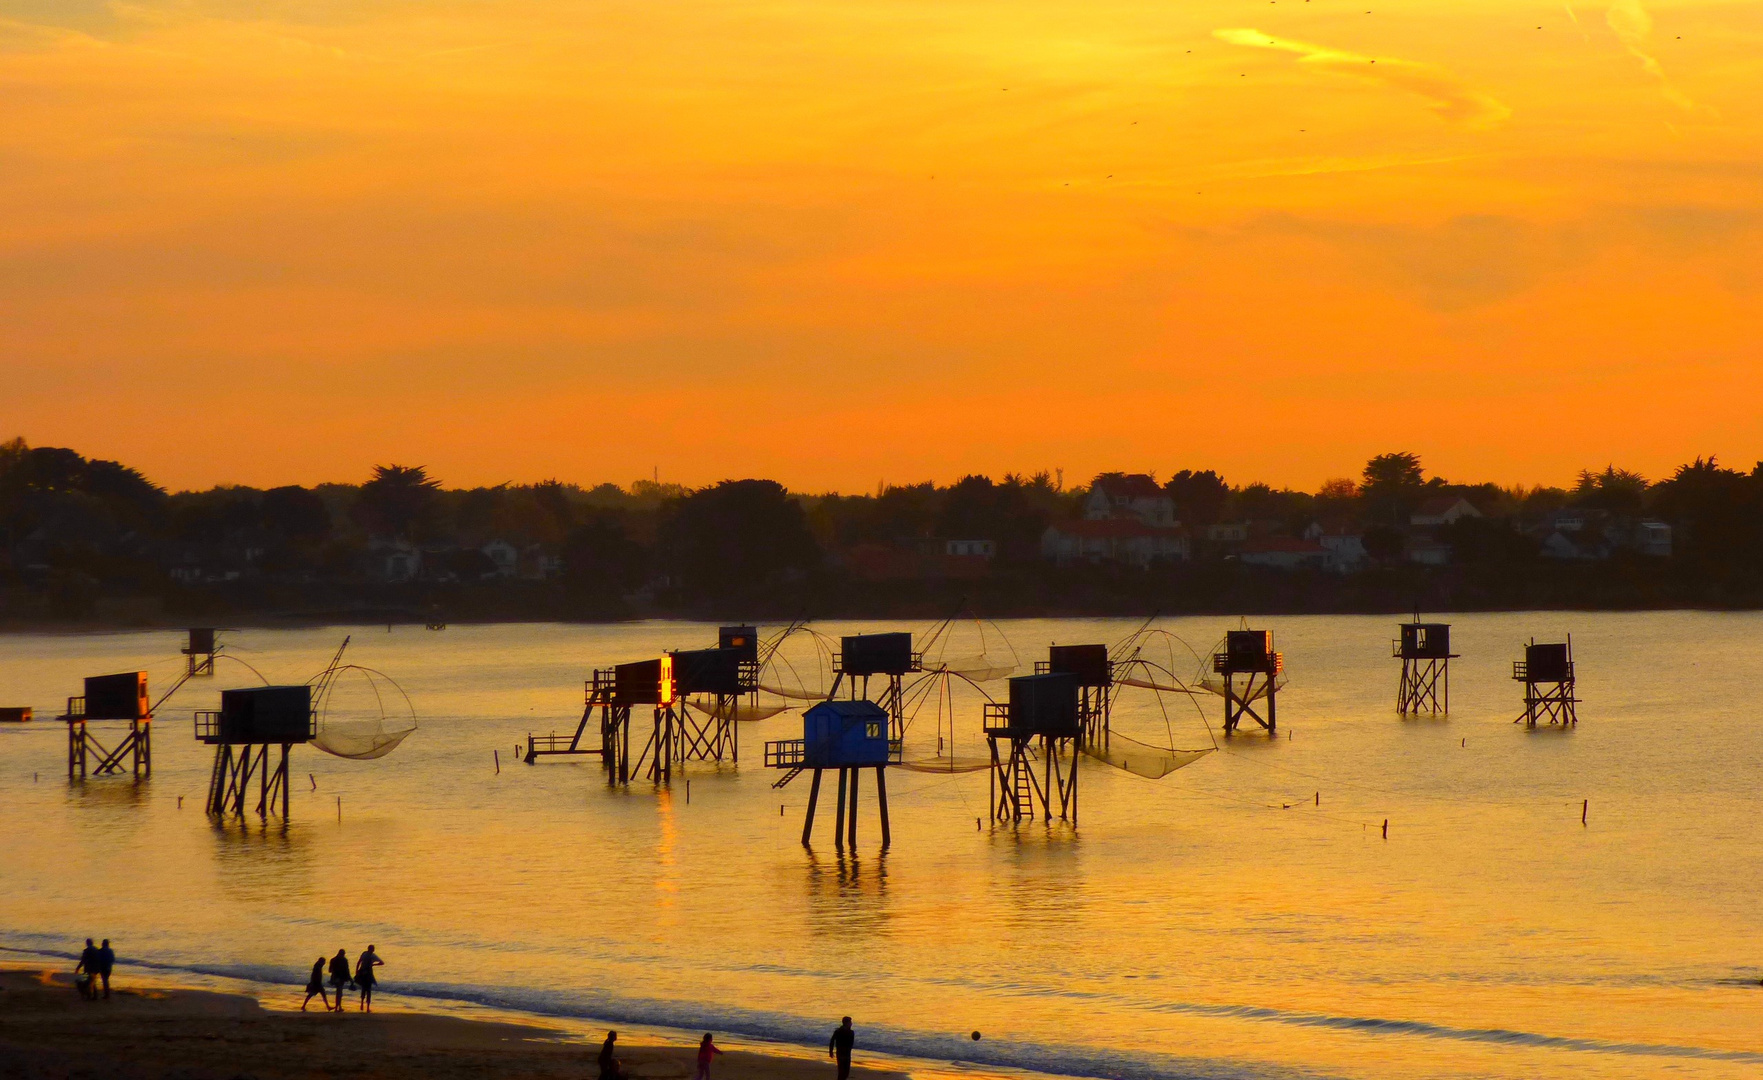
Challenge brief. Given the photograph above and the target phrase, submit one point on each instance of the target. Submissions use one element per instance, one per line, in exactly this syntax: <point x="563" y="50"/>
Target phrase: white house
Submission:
<point x="504" y="555"/>
<point x="1120" y="540"/>
<point x="394" y="560"/>
<point x="1442" y="510"/>
<point x="1345" y="546"/>
<point x="1652" y="538"/>
<point x="1133" y="495"/>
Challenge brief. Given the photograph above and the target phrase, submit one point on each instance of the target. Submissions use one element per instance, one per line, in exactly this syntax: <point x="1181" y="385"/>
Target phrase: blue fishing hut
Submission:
<point x="849" y="736"/>
<point x="248" y="723"/>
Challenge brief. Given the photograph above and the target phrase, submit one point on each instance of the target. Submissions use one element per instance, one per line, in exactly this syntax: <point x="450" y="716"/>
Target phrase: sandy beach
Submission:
<point x="47" y="1032"/>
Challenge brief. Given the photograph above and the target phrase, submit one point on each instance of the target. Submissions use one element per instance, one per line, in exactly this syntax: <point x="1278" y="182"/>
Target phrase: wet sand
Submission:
<point x="47" y="1032"/>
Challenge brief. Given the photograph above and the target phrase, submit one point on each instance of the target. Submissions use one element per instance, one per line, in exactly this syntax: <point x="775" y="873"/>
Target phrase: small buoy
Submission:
<point x="976" y="1036"/>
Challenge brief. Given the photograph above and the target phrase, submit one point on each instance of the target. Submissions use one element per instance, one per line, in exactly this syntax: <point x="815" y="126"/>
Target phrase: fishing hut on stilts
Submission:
<point x="249" y="726"/>
<point x="849" y="736"/>
<point x="889" y="656"/>
<point x="1547" y="674"/>
<point x="1249" y="655"/>
<point x="199" y="652"/>
<point x="1095" y="686"/>
<point x="1425" y="652"/>
<point x="1037" y="730"/>
<point x="723" y="675"/>
<point x="648" y="683"/>
<point x="121" y="697"/>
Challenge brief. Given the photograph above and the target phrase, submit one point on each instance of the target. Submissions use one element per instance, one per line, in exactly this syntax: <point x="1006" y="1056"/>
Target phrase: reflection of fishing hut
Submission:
<point x="1043" y="710"/>
<point x="1547" y="674"/>
<point x="199" y="652"/>
<point x="861" y="656"/>
<point x="1425" y="652"/>
<point x="248" y="725"/>
<point x="110" y="697"/>
<point x="1095" y="685"/>
<point x="1248" y="655"/>
<point x="849" y="736"/>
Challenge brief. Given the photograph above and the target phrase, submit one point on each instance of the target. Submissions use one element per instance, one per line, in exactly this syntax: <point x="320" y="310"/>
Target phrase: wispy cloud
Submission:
<point x="1444" y="92"/>
<point x="1633" y="26"/>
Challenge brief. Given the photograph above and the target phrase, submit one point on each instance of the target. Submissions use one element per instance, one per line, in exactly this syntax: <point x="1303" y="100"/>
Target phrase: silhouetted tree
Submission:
<point x="1392" y="485"/>
<point x="600" y="559"/>
<point x="1199" y="496"/>
<point x="296" y="514"/>
<point x="735" y="535"/>
<point x="397" y="500"/>
<point x="1616" y="491"/>
<point x="1384" y="543"/>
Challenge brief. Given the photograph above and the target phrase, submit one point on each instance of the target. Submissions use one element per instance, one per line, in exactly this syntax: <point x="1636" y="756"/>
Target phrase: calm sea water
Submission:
<point x="1243" y="917"/>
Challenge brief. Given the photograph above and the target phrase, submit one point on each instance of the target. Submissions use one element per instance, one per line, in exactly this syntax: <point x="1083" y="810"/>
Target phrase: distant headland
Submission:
<point x="86" y="542"/>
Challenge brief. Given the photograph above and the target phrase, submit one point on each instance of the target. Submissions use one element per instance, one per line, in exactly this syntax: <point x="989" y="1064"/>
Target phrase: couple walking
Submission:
<point x="363" y="978"/>
<point x="95" y="966"/>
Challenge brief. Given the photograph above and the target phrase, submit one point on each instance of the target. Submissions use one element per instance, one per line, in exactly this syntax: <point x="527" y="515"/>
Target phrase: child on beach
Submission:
<point x="706" y="1052"/>
<point x="364" y="977"/>
<point x="315" y="985"/>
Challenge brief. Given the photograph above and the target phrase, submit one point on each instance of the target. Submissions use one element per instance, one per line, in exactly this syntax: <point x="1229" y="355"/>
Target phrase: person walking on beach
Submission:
<point x="609" y="1067"/>
<point x="340" y="977"/>
<point x="315" y="985"/>
<point x="106" y="964"/>
<point x="839" y="1047"/>
<point x="706" y="1052"/>
<point x="85" y="972"/>
<point x="364" y="978"/>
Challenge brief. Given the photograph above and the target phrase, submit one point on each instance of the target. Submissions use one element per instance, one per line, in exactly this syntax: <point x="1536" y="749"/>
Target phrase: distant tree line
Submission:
<point x="91" y="539"/>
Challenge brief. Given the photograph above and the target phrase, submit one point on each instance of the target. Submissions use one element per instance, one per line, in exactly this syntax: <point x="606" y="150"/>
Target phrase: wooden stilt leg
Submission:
<point x="881" y="795"/>
<point x="839" y="815"/>
<point x="813" y="800"/>
<point x="851" y="817"/>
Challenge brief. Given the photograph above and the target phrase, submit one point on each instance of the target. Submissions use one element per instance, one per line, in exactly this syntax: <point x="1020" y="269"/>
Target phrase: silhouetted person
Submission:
<point x="706" y="1052"/>
<point x="106" y="964"/>
<point x="315" y="985"/>
<point x="85" y="972"/>
<point x="839" y="1046"/>
<point x="340" y="977"/>
<point x="609" y="1067"/>
<point x="364" y="978"/>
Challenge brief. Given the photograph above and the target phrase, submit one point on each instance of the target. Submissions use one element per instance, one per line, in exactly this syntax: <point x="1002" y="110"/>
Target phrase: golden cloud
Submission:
<point x="1444" y="92"/>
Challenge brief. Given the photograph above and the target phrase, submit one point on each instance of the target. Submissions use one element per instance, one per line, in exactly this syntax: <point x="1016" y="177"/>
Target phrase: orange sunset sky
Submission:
<point x="277" y="241"/>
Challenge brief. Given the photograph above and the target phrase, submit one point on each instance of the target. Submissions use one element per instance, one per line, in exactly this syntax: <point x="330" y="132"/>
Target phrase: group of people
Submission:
<point x="95" y="966"/>
<point x="838" y="1048"/>
<point x="362" y="978"/>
